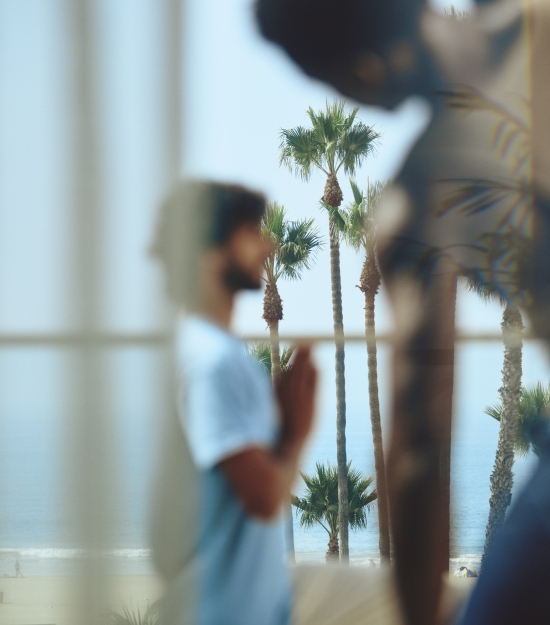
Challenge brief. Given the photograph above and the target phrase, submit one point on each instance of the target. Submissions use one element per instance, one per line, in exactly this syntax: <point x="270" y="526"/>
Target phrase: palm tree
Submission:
<point x="334" y="142"/>
<point x="534" y="405"/>
<point x="359" y="231"/>
<point x="321" y="502"/>
<point x="296" y="243"/>
<point x="503" y="277"/>
<point x="502" y="477"/>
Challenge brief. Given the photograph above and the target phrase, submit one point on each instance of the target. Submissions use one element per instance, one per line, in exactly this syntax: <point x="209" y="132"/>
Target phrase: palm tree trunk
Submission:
<point x="333" y="551"/>
<point x="273" y="313"/>
<point x="502" y="478"/>
<point x="333" y="196"/>
<point x="275" y="351"/>
<point x="341" y="453"/>
<point x="291" y="554"/>
<point x="370" y="282"/>
<point x="275" y="374"/>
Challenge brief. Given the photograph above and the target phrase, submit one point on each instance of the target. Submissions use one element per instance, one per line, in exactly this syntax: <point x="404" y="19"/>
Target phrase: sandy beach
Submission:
<point x="54" y="600"/>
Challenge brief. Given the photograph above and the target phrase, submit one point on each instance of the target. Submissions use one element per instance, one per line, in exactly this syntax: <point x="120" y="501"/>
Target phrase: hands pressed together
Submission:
<point x="296" y="396"/>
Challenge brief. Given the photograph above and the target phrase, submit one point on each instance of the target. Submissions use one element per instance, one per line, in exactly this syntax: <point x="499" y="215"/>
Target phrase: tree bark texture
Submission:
<point x="446" y="442"/>
<point x="275" y="351"/>
<point x="333" y="196"/>
<point x="502" y="477"/>
<point x="290" y="532"/>
<point x="370" y="283"/>
<point x="273" y="313"/>
<point x="333" y="551"/>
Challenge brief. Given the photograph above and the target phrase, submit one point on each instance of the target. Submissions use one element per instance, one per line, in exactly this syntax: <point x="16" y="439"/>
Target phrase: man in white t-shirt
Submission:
<point x="243" y="440"/>
<point x="244" y="449"/>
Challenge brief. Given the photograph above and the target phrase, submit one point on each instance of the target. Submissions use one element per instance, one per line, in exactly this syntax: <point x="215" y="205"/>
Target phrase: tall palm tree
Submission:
<point x="295" y="246"/>
<point x="534" y="407"/>
<point x="502" y="477"/>
<point x="320" y="504"/>
<point x="359" y="231"/>
<point x="336" y="141"/>
<point x="506" y="251"/>
<point x="296" y="243"/>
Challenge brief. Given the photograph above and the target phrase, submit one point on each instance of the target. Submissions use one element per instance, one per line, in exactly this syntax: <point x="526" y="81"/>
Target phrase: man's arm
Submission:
<point x="262" y="478"/>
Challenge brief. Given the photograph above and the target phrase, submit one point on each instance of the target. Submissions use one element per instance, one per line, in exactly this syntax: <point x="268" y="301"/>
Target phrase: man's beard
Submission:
<point x="236" y="279"/>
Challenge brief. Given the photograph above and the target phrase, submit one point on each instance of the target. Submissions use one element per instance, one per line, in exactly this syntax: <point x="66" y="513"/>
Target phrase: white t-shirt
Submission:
<point x="226" y="405"/>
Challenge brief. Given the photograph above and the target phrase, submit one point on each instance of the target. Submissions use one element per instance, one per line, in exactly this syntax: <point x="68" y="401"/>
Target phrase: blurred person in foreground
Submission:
<point x="221" y="550"/>
<point x="471" y="200"/>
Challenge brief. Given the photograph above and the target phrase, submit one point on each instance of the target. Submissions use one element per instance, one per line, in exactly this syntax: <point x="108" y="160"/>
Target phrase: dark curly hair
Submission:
<point x="199" y="215"/>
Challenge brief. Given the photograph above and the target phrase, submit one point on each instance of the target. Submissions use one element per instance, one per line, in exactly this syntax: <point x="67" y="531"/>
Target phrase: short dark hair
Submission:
<point x="197" y="216"/>
<point x="318" y="34"/>
<point x="232" y="206"/>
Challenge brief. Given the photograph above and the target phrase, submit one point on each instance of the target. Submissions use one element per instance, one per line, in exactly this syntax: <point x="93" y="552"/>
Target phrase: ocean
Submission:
<point x="34" y="528"/>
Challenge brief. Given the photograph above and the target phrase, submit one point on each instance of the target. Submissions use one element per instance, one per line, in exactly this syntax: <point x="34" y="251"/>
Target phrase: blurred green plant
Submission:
<point x="262" y="353"/>
<point x="130" y="617"/>
<point x="456" y="14"/>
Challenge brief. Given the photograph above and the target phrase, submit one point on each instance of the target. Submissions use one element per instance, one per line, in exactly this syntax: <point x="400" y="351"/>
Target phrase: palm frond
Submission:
<point x="487" y="290"/>
<point x="494" y="411"/>
<point x="469" y="99"/>
<point x="357" y="193"/>
<point x="534" y="408"/>
<point x="358" y="223"/>
<point x="273" y="225"/>
<point x="336" y="214"/>
<point x="295" y="243"/>
<point x="319" y="506"/>
<point x="354" y="146"/>
<point x="285" y="357"/>
<point x="334" y="140"/>
<point x="471" y="196"/>
<point x="299" y="151"/>
<point x="261" y="352"/>
<point x="298" y="249"/>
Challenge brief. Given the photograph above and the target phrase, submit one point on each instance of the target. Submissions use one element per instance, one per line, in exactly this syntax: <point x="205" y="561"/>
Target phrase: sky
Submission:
<point x="239" y="93"/>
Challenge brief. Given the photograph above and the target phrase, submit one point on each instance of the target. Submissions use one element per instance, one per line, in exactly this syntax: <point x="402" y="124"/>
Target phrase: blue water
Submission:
<point x="34" y="527"/>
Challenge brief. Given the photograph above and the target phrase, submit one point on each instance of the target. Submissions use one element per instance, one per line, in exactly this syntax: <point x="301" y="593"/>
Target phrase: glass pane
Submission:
<point x="34" y="161"/>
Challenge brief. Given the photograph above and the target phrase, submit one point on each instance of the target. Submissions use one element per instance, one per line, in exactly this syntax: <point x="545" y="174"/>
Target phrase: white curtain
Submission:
<point x="90" y="143"/>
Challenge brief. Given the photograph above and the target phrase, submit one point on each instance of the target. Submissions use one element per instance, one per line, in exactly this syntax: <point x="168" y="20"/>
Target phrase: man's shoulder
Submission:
<point x="202" y="346"/>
